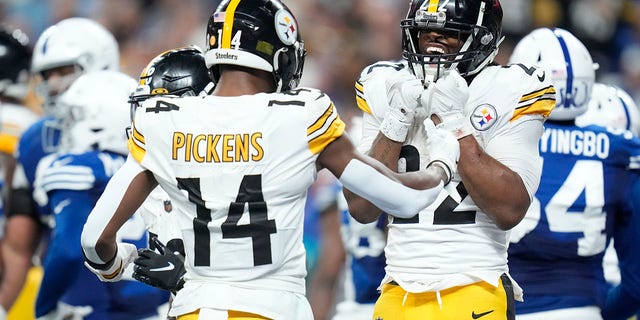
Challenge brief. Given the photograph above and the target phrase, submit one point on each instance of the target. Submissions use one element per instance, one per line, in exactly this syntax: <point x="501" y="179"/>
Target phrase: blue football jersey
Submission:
<point x="364" y="245"/>
<point x="39" y="140"/>
<point x="72" y="184"/>
<point x="556" y="252"/>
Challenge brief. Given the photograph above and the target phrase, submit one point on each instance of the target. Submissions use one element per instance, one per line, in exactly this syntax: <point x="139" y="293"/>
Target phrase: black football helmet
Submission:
<point x="15" y="61"/>
<point x="477" y="23"/>
<point x="178" y="72"/>
<point x="259" y="34"/>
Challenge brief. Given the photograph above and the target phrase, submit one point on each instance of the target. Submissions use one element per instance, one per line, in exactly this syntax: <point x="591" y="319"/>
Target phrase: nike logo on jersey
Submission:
<point x="169" y="267"/>
<point x="475" y="315"/>
<point x="58" y="208"/>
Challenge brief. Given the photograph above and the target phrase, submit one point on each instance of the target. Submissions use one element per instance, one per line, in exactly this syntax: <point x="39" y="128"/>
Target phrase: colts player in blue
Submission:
<point x="93" y="146"/>
<point x="62" y="52"/>
<point x="364" y="245"/>
<point x="613" y="108"/>
<point x="556" y="252"/>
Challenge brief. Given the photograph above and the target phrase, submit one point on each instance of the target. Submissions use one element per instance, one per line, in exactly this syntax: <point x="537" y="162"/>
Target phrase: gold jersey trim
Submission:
<point x="321" y="134"/>
<point x="360" y="100"/>
<point x="136" y="145"/>
<point x="540" y="102"/>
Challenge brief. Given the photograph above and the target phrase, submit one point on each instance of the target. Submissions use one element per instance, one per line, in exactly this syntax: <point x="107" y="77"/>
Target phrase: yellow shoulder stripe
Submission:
<point x="538" y="93"/>
<point x="333" y="132"/>
<point x="360" y="100"/>
<point x="319" y="123"/>
<point x="540" y="102"/>
<point x="136" y="145"/>
<point x="542" y="107"/>
<point x="325" y="129"/>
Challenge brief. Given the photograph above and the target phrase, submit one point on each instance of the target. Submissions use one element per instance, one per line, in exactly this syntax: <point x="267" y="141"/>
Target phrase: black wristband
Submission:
<point x="443" y="166"/>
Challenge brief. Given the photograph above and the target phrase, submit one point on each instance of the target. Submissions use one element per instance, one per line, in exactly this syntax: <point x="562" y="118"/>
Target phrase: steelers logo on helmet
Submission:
<point x="146" y="75"/>
<point x="286" y="27"/>
<point x="483" y="117"/>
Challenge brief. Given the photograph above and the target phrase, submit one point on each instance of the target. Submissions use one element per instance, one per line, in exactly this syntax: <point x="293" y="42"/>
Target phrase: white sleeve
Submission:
<point x="369" y="132"/>
<point x="106" y="207"/>
<point x="388" y="195"/>
<point x="517" y="148"/>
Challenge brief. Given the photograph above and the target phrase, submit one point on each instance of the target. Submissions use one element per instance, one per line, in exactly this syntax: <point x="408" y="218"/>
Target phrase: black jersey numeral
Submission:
<point x="395" y="66"/>
<point x="259" y="228"/>
<point x="163" y="106"/>
<point x="444" y="214"/>
<point x="202" y="236"/>
<point x="412" y="157"/>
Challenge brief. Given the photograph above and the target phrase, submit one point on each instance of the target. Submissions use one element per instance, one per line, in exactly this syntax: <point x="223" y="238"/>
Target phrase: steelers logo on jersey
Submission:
<point x="483" y="117"/>
<point x="286" y="27"/>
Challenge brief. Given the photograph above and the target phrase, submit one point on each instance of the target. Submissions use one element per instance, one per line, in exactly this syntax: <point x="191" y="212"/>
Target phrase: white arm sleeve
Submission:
<point x="517" y="148"/>
<point x="106" y="207"/>
<point x="388" y="195"/>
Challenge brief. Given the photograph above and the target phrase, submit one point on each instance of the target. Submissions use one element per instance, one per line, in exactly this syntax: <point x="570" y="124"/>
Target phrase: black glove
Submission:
<point x="162" y="270"/>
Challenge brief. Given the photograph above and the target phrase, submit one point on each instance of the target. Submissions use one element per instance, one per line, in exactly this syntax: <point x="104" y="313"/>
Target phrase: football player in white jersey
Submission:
<point x="15" y="59"/>
<point x="237" y="165"/>
<point x="589" y="172"/>
<point x="449" y="261"/>
<point x="179" y="72"/>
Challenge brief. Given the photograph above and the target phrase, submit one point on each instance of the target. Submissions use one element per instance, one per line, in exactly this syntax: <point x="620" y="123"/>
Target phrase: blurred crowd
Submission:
<point x="342" y="37"/>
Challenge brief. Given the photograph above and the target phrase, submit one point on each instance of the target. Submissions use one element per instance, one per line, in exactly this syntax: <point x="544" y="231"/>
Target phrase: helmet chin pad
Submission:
<point x="427" y="73"/>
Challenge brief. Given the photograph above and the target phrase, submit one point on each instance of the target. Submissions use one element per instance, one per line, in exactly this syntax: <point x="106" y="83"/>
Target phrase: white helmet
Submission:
<point x="78" y="42"/>
<point x="98" y="112"/>
<point x="567" y="61"/>
<point x="611" y="106"/>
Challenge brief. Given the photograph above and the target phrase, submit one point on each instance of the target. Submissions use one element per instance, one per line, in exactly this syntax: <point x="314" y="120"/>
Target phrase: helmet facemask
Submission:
<point x="288" y="64"/>
<point x="50" y="88"/>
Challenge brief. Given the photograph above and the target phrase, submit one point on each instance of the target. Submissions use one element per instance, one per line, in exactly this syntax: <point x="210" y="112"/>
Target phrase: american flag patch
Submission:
<point x="219" y="17"/>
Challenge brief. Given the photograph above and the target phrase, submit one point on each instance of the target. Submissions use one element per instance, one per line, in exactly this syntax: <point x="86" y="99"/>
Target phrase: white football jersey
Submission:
<point x="237" y="170"/>
<point x="452" y="242"/>
<point x="156" y="212"/>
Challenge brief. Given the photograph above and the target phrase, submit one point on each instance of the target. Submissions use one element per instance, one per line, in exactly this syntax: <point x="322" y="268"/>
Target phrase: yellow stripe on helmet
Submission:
<point x="225" y="42"/>
<point x="433" y="6"/>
